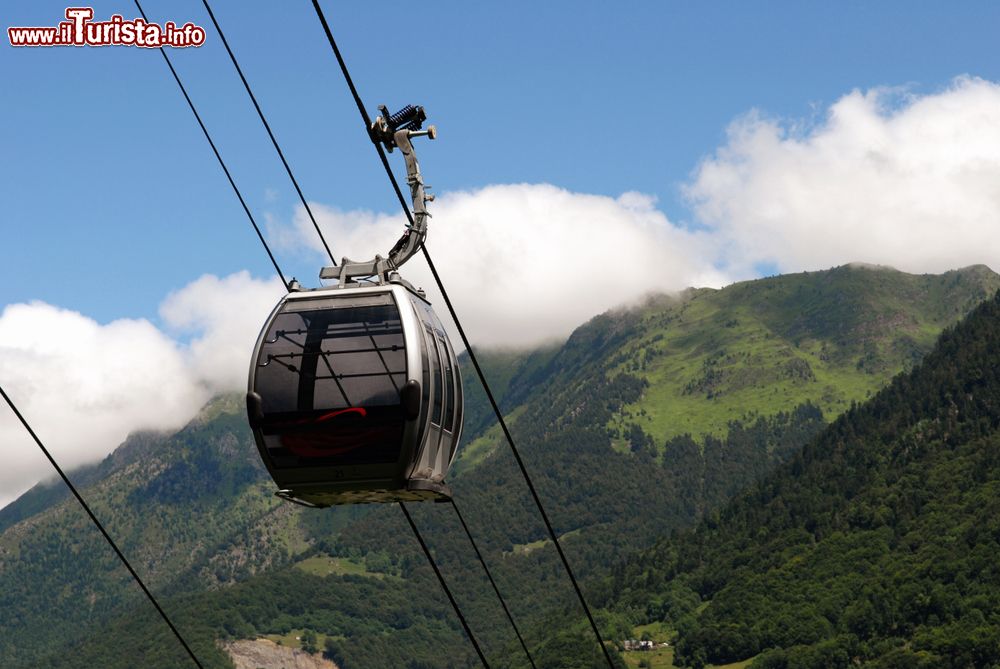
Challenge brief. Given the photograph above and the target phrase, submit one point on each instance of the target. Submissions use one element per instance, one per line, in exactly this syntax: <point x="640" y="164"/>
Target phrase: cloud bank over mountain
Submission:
<point x="528" y="262"/>
<point x="84" y="386"/>
<point x="884" y="177"/>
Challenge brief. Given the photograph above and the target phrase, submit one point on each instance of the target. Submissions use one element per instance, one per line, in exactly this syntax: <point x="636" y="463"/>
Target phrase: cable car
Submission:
<point x="354" y="391"/>
<point x="355" y="396"/>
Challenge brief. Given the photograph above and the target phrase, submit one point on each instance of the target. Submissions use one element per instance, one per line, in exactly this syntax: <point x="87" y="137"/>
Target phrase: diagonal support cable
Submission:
<point x="520" y="463"/>
<point x="361" y="107"/>
<point x="468" y="346"/>
<point x="218" y="157"/>
<point x="496" y="589"/>
<point x="444" y="586"/>
<point x="267" y="127"/>
<point x="104" y="532"/>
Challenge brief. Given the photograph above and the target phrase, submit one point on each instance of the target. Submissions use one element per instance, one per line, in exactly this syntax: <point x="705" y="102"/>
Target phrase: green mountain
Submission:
<point x="877" y="545"/>
<point x="758" y="368"/>
<point x="759" y="347"/>
<point x="191" y="510"/>
<point x="709" y="364"/>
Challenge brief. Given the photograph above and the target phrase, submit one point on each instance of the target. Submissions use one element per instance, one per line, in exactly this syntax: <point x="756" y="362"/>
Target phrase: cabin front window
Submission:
<point x="329" y="374"/>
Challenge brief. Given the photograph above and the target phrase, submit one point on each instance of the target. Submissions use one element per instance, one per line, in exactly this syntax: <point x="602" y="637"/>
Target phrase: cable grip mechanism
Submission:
<point x="394" y="131"/>
<point x="385" y="126"/>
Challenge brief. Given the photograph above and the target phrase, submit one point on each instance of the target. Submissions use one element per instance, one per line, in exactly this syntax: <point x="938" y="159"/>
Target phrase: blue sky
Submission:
<point x="111" y="198"/>
<point x="589" y="153"/>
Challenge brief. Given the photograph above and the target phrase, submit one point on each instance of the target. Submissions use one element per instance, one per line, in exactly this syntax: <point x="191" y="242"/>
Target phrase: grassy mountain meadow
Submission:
<point x="647" y="420"/>
<point x="876" y="545"/>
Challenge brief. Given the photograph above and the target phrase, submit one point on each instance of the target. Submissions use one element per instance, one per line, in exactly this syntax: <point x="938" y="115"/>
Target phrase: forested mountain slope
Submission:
<point x="593" y="419"/>
<point x="753" y="348"/>
<point x="877" y="545"/>
<point x="191" y="510"/>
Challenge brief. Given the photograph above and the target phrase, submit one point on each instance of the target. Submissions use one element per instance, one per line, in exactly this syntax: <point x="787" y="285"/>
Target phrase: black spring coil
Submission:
<point x="405" y="115"/>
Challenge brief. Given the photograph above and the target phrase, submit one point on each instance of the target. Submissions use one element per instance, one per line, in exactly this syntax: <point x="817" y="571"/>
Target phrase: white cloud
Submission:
<point x="228" y="313"/>
<point x="887" y="178"/>
<point x="84" y="386"/>
<point x="902" y="180"/>
<point x="529" y="262"/>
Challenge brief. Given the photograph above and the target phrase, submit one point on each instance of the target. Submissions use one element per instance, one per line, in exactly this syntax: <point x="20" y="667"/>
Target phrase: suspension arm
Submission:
<point x="393" y="132"/>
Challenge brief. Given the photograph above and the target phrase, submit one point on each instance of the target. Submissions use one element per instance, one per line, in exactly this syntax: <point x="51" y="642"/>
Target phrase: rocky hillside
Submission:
<point x="260" y="653"/>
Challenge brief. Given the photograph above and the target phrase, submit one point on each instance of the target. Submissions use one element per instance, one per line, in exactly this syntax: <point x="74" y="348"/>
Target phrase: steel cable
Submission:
<point x="267" y="126"/>
<point x="104" y="532"/>
<point x="493" y="583"/>
<point x="277" y="268"/>
<point x="444" y="586"/>
<point x="222" y="163"/>
<point x="465" y="341"/>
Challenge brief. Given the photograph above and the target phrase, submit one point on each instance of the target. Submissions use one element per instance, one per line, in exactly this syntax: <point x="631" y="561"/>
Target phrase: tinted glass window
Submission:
<point x="449" y="375"/>
<point x="433" y="330"/>
<point x="329" y="374"/>
<point x="425" y="382"/>
<point x="435" y="357"/>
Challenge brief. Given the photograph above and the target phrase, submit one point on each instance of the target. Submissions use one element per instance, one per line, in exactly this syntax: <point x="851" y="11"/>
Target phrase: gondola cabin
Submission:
<point x="355" y="396"/>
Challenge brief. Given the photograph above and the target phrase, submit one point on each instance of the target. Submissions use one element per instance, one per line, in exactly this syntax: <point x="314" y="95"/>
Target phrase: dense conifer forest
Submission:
<point x="877" y="544"/>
